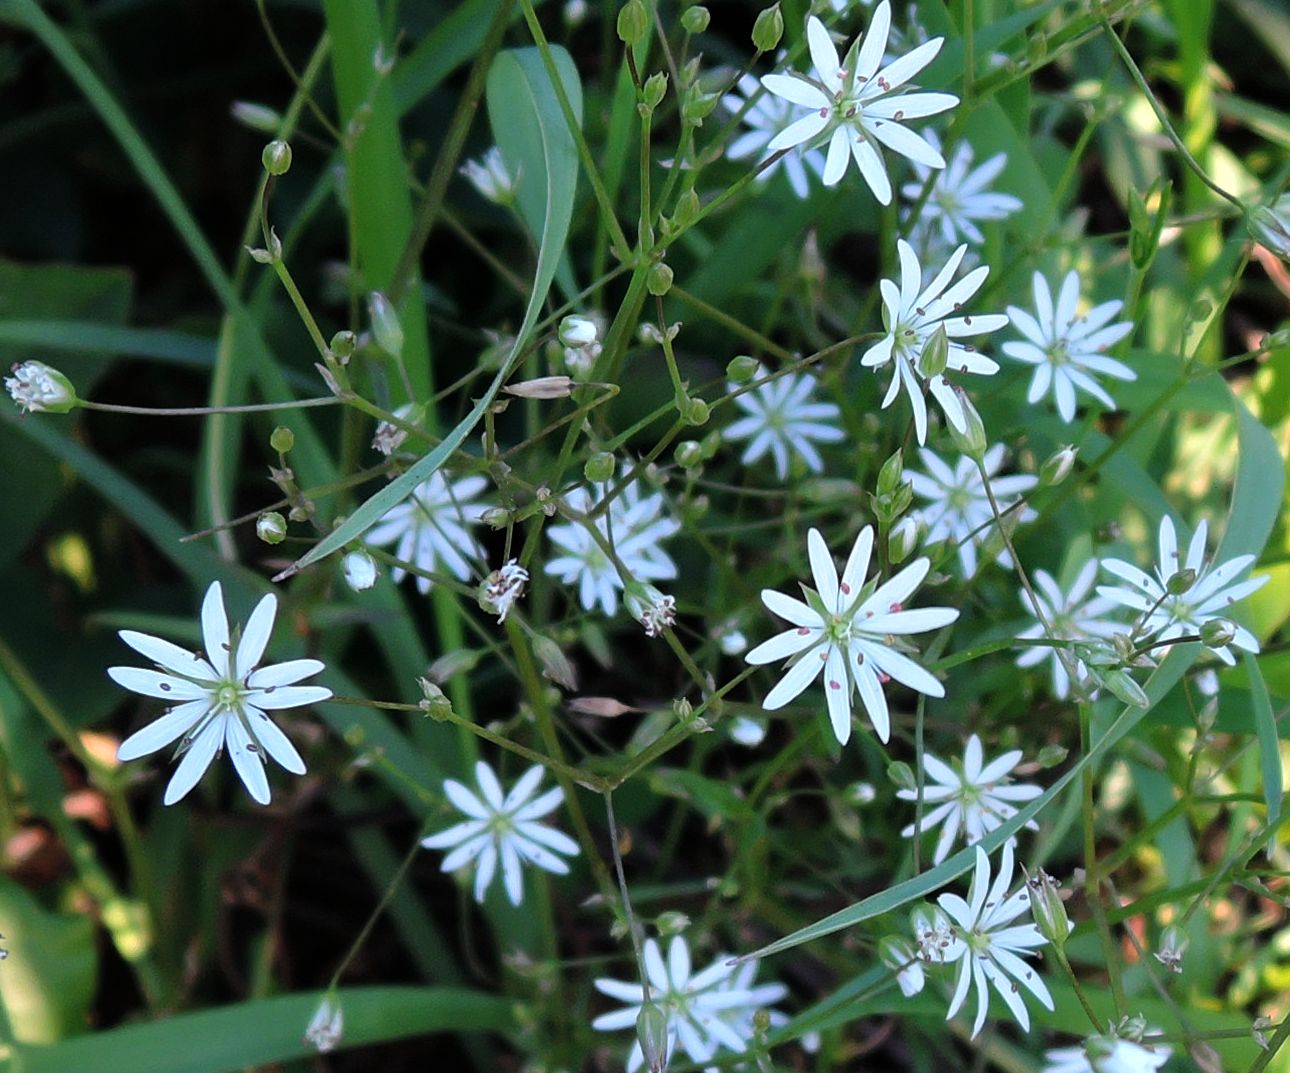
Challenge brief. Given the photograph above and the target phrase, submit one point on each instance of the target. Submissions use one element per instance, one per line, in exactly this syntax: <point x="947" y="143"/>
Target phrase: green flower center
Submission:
<point x="229" y="696"/>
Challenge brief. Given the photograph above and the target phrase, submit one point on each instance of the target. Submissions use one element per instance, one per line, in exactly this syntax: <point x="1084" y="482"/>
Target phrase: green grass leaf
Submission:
<point x="532" y="133"/>
<point x="1265" y="728"/>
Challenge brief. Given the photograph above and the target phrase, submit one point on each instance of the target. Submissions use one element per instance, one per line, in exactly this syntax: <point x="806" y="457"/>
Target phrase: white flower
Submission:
<point x="40" y="388"/>
<point x="503" y="587"/>
<point x="326" y="1027"/>
<point x="847" y="630"/>
<point x="766" y="117"/>
<point x="359" y="570"/>
<point x="989" y="946"/>
<point x="958" y="197"/>
<point x="969" y="797"/>
<point x="855" y="107"/>
<point x="491" y="177"/>
<point x="1071" y="616"/>
<point x="913" y="314"/>
<point x="221" y="698"/>
<point x="582" y="336"/>
<point x="431" y="527"/>
<point x="899" y="956"/>
<point x="633" y="524"/>
<point x="781" y="419"/>
<point x="503" y="828"/>
<point x="1106" y="1054"/>
<point x="934" y="936"/>
<point x="959" y="510"/>
<point x="746" y="731"/>
<point x="705" y="1010"/>
<point x="1213" y="589"/>
<point x="1066" y="348"/>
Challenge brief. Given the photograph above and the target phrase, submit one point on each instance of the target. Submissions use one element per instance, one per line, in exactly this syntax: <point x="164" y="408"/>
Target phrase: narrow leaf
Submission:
<point x="1265" y="728"/>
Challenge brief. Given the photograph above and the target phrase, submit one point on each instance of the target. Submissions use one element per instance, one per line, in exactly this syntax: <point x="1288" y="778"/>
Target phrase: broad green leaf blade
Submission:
<point x="1265" y="728"/>
<point x="255" y="1034"/>
<point x="519" y="80"/>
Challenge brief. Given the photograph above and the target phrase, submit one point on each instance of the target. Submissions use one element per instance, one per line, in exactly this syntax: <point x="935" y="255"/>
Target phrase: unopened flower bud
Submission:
<point x="544" y="387"/>
<point x="359" y="569"/>
<point x="40" y="388"/>
<point x="1218" y="633"/>
<point x="327" y="1025"/>
<point x="282" y="439"/>
<point x="256" y="116"/>
<point x="1057" y="467"/>
<point x="1052" y="755"/>
<point x="971" y="438"/>
<point x="1270" y="226"/>
<point x="768" y="29"/>
<point x="902" y="775"/>
<point x="276" y="157"/>
<point x="577" y="332"/>
<point x="271" y="527"/>
<point x="599" y="467"/>
<point x="860" y="793"/>
<point x="386" y="328"/>
<point x="695" y="412"/>
<point x="1122" y="685"/>
<point x="1173" y="945"/>
<point x="653" y="91"/>
<point x="697" y="105"/>
<point x="695" y="19"/>
<point x="687" y="208"/>
<point x="688" y="454"/>
<point x="342" y="345"/>
<point x="651" y="1032"/>
<point x="658" y="281"/>
<point x="633" y="22"/>
<point x="900" y="956"/>
<point x="1048" y="909"/>
<point x="742" y="369"/>
<point x="892" y="473"/>
<point x="1179" y="583"/>
<point x="672" y="922"/>
<point x="935" y="355"/>
<point x="555" y="664"/>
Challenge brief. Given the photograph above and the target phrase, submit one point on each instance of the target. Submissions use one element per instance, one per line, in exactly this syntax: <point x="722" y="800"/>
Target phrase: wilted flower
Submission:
<point x="491" y="177"/>
<point x="327" y="1026"/>
<point x="503" y="587"/>
<point x="40" y="388"/>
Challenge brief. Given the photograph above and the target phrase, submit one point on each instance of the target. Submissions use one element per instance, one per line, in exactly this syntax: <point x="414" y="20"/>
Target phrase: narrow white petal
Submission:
<point x="196" y="760"/>
<point x="170" y="656"/>
<point x="156" y="684"/>
<point x="250" y="649"/>
<point x="284" y="674"/>
<point x="247" y="761"/>
<point x="160" y="733"/>
<point x="796" y="679"/>
<point x="215" y="629"/>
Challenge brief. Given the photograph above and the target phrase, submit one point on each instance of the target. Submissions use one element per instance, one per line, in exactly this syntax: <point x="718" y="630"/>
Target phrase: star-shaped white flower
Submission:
<point x="634" y="524"/>
<point x="1106" y="1054"/>
<point x="990" y="947"/>
<point x="1212" y="591"/>
<point x="855" y="107"/>
<point x="971" y="797"/>
<point x="432" y="527"/>
<point x="765" y="118"/>
<point x="221" y="699"/>
<point x="959" y="196"/>
<point x="847" y="630"/>
<point x="1066" y="347"/>
<point x="705" y="1010"/>
<point x="1071" y="616"/>
<point x="958" y="510"/>
<point x="782" y="419"/>
<point x="503" y="828"/>
<point x="913" y="314"/>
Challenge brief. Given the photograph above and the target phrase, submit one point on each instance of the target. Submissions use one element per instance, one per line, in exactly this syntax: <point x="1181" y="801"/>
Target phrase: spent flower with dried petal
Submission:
<point x="40" y="388"/>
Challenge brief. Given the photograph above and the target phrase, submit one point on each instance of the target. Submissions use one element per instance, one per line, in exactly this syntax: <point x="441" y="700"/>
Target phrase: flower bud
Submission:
<point x="1259" y="1029"/>
<point x="577" y="332"/>
<point x="1122" y="685"/>
<point x="1218" y="633"/>
<point x="687" y="208"/>
<point x="892" y="473"/>
<point x="1181" y="582"/>
<point x="633" y="22"/>
<point x="654" y="90"/>
<point x="40" y="388"/>
<point x="697" y="105"/>
<point x="256" y="116"/>
<point x="1270" y="226"/>
<point x="651" y="1032"/>
<point x="385" y="324"/>
<point x="1173" y="945"/>
<point x="658" y="281"/>
<point x="899" y="956"/>
<point x="935" y="355"/>
<point x="1057" y="467"/>
<point x="276" y="157"/>
<point x="671" y="923"/>
<point x="282" y="439"/>
<point x="1052" y="755"/>
<point x="342" y="345"/>
<point x="555" y="664"/>
<point x="271" y="527"/>
<point x="695" y="412"/>
<point x="360" y="570"/>
<point x="1048" y="909"/>
<point x="768" y="29"/>
<point x="695" y="19"/>
<point x="742" y="369"/>
<point x="327" y="1025"/>
<point x="747" y="732"/>
<point x="902" y="775"/>
<point x="971" y="439"/>
<point x="544" y="387"/>
<point x="688" y="454"/>
<point x="860" y="793"/>
<point x="599" y="467"/>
